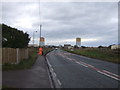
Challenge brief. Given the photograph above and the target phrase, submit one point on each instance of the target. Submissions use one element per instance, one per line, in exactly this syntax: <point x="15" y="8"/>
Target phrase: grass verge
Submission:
<point x="24" y="64"/>
<point x="101" y="54"/>
<point x="46" y="50"/>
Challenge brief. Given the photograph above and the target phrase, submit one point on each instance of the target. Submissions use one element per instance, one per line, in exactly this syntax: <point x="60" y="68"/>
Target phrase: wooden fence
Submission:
<point x="14" y="56"/>
<point x="0" y="56"/>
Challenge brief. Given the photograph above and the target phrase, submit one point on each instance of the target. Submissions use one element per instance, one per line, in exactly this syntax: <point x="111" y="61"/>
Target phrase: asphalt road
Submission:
<point x="75" y="71"/>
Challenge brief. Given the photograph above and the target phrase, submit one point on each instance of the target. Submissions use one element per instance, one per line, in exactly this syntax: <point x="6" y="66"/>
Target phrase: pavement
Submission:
<point x="75" y="71"/>
<point x="35" y="77"/>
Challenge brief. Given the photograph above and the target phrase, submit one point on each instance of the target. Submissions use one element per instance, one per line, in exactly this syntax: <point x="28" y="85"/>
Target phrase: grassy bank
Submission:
<point x="102" y="54"/>
<point x="24" y="64"/>
<point x="46" y="50"/>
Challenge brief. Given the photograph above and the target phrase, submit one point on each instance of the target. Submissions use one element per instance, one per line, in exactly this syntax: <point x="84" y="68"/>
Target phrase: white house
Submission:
<point x="115" y="47"/>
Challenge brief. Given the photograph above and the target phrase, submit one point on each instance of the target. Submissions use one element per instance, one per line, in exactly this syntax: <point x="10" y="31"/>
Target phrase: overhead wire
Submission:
<point x="39" y="23"/>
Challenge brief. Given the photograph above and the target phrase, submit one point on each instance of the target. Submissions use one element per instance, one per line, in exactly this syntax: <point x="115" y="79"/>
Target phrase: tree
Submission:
<point x="83" y="46"/>
<point x="109" y="46"/>
<point x="100" y="46"/>
<point x="14" y="38"/>
<point x="75" y="46"/>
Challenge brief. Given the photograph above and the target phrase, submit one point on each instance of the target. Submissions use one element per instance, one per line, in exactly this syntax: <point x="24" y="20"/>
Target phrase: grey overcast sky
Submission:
<point x="96" y="23"/>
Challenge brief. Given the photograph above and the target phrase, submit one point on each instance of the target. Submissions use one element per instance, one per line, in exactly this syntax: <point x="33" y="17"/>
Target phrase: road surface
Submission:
<point x="75" y="71"/>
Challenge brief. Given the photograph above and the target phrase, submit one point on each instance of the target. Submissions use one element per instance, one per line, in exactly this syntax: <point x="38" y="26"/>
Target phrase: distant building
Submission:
<point x="115" y="46"/>
<point x="42" y="41"/>
<point x="68" y="46"/>
<point x="78" y="42"/>
<point x="60" y="46"/>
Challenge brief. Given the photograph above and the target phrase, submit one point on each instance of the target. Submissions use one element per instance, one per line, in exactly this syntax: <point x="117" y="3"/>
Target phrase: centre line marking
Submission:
<point x="104" y="72"/>
<point x="90" y="65"/>
<point x="81" y="64"/>
<point x="77" y="62"/>
<point x="111" y="73"/>
<point x="108" y="75"/>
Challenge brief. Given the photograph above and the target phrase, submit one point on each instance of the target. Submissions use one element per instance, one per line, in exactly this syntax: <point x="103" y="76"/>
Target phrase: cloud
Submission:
<point x="95" y="22"/>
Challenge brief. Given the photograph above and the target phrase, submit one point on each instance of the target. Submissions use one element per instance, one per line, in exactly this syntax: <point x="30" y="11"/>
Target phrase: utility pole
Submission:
<point x="40" y="35"/>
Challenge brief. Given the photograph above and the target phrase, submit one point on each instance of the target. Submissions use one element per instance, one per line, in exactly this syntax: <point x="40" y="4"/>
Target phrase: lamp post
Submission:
<point x="33" y="38"/>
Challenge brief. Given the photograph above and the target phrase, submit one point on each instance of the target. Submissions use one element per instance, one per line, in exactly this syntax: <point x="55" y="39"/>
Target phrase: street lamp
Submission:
<point x="33" y="38"/>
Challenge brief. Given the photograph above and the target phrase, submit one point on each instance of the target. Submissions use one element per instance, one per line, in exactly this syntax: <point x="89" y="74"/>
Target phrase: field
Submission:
<point x="46" y="50"/>
<point x="99" y="53"/>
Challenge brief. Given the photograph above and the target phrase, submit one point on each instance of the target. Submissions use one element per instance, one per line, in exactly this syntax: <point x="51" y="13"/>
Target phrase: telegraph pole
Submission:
<point x="40" y="34"/>
<point x="40" y="48"/>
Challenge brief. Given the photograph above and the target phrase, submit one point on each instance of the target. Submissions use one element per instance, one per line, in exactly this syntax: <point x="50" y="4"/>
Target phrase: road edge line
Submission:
<point x="53" y="78"/>
<point x="49" y="74"/>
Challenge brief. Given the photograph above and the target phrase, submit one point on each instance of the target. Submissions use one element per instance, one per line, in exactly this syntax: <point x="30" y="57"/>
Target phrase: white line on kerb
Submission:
<point x="50" y="65"/>
<point x="47" y="58"/>
<point x="48" y="62"/>
<point x="59" y="82"/>
<point x="108" y="75"/>
<point x="52" y="69"/>
<point x="54" y="74"/>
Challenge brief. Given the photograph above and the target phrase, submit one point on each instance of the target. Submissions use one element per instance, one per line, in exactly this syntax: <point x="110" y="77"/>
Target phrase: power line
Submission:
<point x="39" y="23"/>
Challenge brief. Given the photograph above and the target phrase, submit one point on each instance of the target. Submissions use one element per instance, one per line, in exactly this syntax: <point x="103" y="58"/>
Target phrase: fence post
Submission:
<point x="0" y="56"/>
<point x="27" y="53"/>
<point x="17" y="56"/>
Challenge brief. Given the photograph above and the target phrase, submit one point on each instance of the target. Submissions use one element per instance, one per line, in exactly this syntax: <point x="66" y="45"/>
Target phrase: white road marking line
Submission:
<point x="108" y="75"/>
<point x="86" y="65"/>
<point x="54" y="74"/>
<point x="47" y="58"/>
<point x="48" y="62"/>
<point x="74" y="59"/>
<point x="50" y="65"/>
<point x="77" y="62"/>
<point x="111" y="73"/>
<point x="52" y="69"/>
<point x="90" y="65"/>
<point x="59" y="82"/>
<point x="81" y="64"/>
<point x="70" y="59"/>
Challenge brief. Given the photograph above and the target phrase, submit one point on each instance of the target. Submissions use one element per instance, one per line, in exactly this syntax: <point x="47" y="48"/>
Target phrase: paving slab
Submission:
<point x="35" y="77"/>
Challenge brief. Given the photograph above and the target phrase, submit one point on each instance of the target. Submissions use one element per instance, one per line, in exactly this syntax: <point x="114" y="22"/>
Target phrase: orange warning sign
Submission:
<point x="40" y="51"/>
